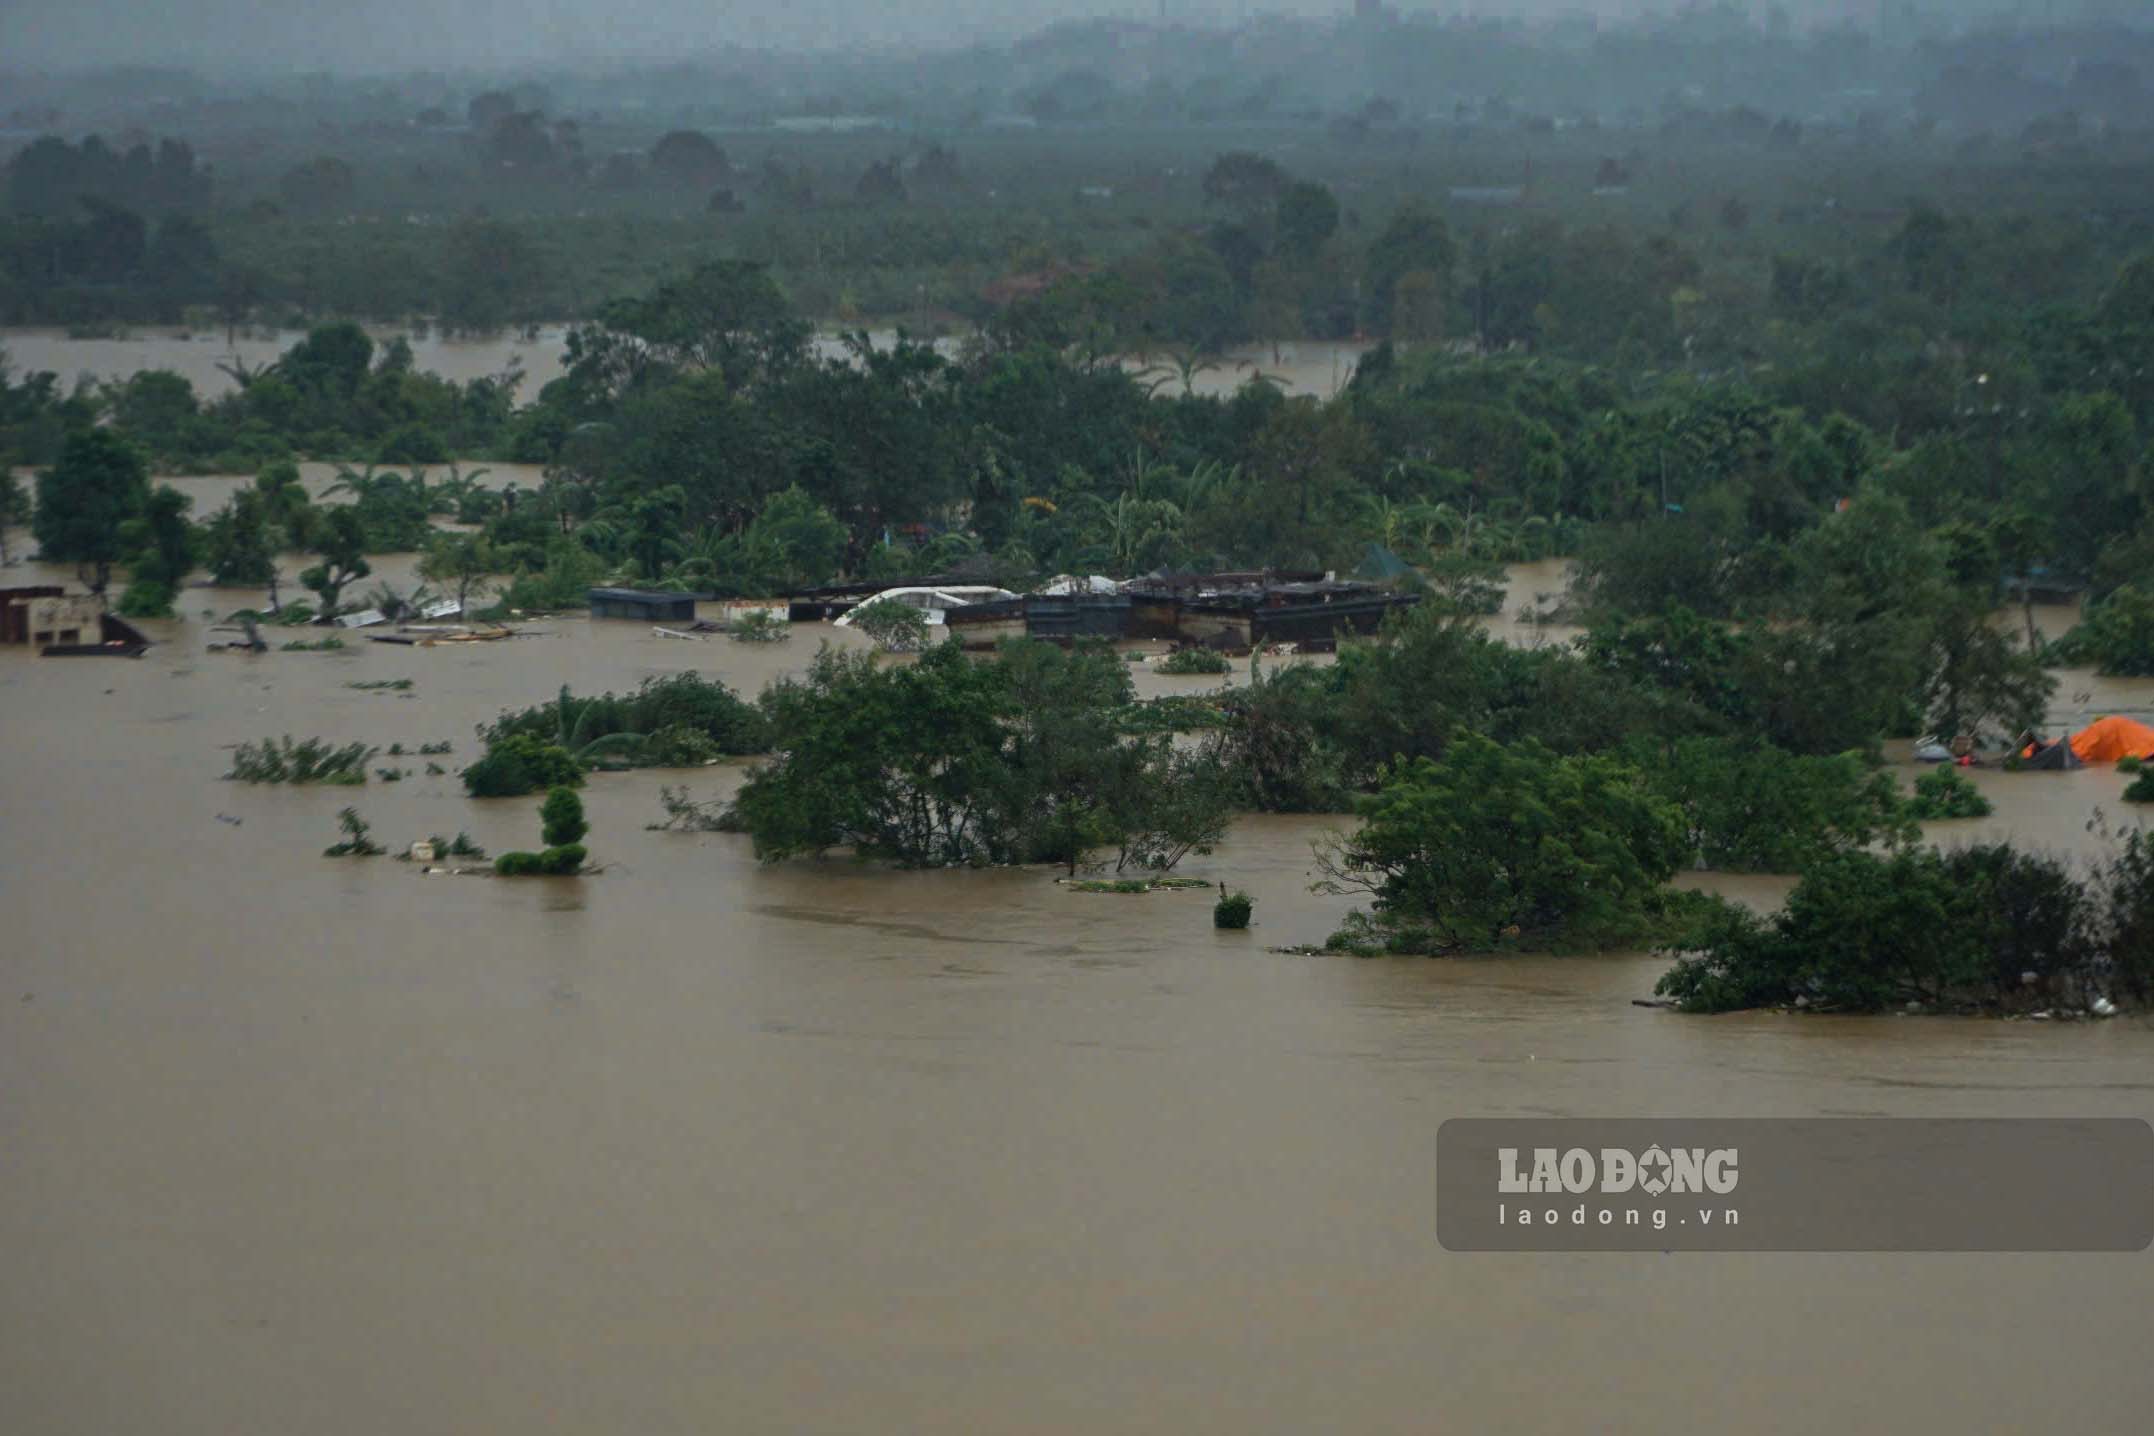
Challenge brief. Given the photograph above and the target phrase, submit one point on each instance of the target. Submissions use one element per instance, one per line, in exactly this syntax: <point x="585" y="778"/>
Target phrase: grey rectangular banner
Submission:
<point x="1795" y="1184"/>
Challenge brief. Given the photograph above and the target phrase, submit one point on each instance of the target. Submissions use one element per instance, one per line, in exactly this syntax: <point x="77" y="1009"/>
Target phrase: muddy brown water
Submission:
<point x="1319" y="367"/>
<point x="694" y="1145"/>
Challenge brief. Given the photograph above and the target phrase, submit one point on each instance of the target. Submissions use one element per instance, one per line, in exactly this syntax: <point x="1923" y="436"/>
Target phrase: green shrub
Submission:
<point x="1232" y="910"/>
<point x="521" y="764"/>
<point x="2123" y="894"/>
<point x="1754" y="808"/>
<point x="679" y="746"/>
<point x="895" y="627"/>
<point x="312" y="761"/>
<point x="561" y="818"/>
<point x="2141" y="788"/>
<point x="1944" y="792"/>
<point x="1865" y="933"/>
<point x="1194" y="660"/>
<point x="703" y="707"/>
<point x="147" y="598"/>
<point x="1502" y="846"/>
<point x="563" y="861"/>
<point x="2130" y="763"/>
<point x="759" y="626"/>
<point x="2117" y="634"/>
<point x="358" y="840"/>
<point x="565" y="581"/>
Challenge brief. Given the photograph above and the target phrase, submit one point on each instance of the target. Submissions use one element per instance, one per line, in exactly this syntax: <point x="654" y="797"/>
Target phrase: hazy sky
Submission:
<point x="376" y="34"/>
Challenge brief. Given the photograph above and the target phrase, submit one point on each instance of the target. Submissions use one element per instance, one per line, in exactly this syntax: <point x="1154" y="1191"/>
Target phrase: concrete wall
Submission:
<point x="70" y="619"/>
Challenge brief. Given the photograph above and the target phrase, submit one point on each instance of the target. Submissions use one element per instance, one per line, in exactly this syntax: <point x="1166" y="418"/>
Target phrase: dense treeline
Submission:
<point x="1693" y="178"/>
<point x="696" y="440"/>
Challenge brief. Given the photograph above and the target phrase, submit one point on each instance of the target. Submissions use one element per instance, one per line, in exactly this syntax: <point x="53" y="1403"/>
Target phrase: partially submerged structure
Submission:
<point x="15" y="626"/>
<point x="59" y="624"/>
<point x="1241" y="611"/>
<point x="1236" y="611"/>
<point x="977" y="615"/>
<point x="1065" y="617"/>
<point x="2105" y="740"/>
<point x="647" y="605"/>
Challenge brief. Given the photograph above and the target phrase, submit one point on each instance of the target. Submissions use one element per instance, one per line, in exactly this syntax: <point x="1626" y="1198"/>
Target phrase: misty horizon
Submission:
<point x="249" y="35"/>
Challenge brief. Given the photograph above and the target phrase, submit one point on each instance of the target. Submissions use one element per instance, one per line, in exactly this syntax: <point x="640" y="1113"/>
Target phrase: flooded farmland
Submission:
<point x="694" y="1145"/>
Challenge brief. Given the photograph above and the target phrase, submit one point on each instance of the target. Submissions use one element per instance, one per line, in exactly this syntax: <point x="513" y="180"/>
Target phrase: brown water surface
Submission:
<point x="1319" y="367"/>
<point x="693" y="1145"/>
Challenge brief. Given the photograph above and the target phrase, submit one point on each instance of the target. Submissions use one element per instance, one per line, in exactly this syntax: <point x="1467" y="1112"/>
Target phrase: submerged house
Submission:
<point x="1240" y="611"/>
<point x="59" y="624"/>
<point x="649" y="605"/>
<point x="15" y="625"/>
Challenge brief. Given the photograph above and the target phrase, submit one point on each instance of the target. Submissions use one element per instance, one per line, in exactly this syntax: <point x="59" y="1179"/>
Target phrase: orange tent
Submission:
<point x="2107" y="739"/>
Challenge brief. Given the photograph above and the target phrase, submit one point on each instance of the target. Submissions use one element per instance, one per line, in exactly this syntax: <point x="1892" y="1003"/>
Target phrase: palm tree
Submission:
<point x="242" y="373"/>
<point x="1440" y="526"/>
<point x="1143" y="476"/>
<point x="1201" y="482"/>
<point x="357" y="483"/>
<point x="395" y="604"/>
<point x="458" y="486"/>
<point x="1186" y="365"/>
<point x="1134" y="524"/>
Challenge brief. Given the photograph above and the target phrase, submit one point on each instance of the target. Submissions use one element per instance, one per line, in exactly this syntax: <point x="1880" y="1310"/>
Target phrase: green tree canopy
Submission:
<point x="86" y="499"/>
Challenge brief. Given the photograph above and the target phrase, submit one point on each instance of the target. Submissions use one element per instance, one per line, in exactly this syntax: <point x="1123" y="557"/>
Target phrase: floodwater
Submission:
<point x="693" y="1145"/>
<point x="1319" y="367"/>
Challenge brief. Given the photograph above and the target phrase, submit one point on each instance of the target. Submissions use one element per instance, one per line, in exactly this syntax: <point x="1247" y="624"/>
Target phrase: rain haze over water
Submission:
<point x="696" y="1143"/>
<point x="430" y="34"/>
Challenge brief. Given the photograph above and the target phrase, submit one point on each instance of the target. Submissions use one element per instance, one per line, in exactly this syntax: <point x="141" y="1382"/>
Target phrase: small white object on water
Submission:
<point x="2103" y="1007"/>
<point x="422" y="851"/>
<point x="2028" y="978"/>
<point x="1801" y="1000"/>
<point x="2041" y="1016"/>
<point x="1914" y="1007"/>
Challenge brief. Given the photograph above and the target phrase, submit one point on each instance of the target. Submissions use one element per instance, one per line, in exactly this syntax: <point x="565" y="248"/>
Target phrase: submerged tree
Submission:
<point x="460" y="562"/>
<point x="85" y="501"/>
<point x="239" y="543"/>
<point x="562" y="826"/>
<point x="164" y="546"/>
<point x="1495" y="845"/>
<point x="342" y="546"/>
